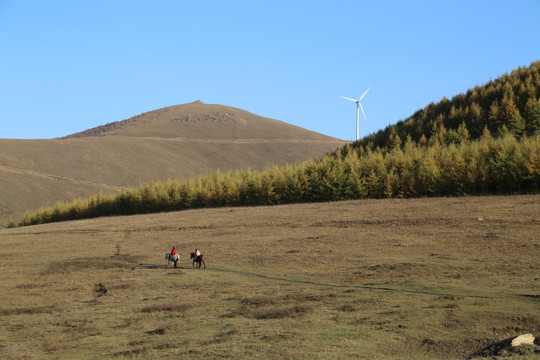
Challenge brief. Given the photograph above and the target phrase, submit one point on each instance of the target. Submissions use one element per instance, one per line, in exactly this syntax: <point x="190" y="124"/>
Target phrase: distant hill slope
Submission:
<point x="198" y="120"/>
<point x="175" y="142"/>
<point x="509" y="103"/>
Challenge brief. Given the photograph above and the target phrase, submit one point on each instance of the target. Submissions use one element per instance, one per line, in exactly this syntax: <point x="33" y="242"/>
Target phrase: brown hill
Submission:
<point x="198" y="120"/>
<point x="175" y="142"/>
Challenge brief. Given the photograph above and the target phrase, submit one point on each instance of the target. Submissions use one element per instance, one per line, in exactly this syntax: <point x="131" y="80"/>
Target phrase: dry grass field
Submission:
<point x="436" y="278"/>
<point x="170" y="143"/>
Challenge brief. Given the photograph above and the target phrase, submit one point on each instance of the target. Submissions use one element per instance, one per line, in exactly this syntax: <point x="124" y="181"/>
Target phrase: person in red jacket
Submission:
<point x="173" y="256"/>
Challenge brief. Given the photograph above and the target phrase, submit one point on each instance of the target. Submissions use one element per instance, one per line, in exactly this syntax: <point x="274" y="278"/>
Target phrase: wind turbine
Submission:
<point x="358" y="105"/>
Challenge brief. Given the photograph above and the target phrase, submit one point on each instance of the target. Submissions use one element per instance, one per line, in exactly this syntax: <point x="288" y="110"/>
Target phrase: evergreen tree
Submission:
<point x="493" y="117"/>
<point x="476" y="120"/>
<point x="374" y="171"/>
<point x="532" y="115"/>
<point x="454" y="118"/>
<point x="533" y="169"/>
<point x="510" y="117"/>
<point x="506" y="164"/>
<point x="463" y="133"/>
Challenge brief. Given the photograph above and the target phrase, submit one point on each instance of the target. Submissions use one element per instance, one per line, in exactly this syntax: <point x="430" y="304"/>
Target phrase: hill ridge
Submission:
<point x="200" y="120"/>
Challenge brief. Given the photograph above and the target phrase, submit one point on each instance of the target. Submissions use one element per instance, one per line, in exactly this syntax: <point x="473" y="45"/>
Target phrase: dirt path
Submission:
<point x="354" y="286"/>
<point x="15" y="170"/>
<point x="249" y="141"/>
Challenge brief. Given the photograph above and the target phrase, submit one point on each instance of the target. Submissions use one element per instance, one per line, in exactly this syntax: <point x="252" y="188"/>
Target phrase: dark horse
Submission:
<point x="198" y="259"/>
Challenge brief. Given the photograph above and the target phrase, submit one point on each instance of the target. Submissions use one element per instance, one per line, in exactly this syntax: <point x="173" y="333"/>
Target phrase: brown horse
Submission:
<point x="198" y="259"/>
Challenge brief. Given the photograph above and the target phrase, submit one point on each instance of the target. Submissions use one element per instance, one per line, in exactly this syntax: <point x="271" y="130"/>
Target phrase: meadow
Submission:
<point x="429" y="278"/>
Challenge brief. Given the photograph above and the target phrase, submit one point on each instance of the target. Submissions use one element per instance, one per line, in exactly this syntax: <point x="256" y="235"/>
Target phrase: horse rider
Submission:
<point x="173" y="256"/>
<point x="197" y="254"/>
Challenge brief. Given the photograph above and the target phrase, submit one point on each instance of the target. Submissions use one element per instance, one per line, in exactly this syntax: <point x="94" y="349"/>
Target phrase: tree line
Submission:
<point x="510" y="103"/>
<point x="503" y="165"/>
<point x="486" y="141"/>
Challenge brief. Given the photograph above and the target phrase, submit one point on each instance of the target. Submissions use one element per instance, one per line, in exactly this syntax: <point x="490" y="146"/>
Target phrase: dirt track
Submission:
<point x="15" y="170"/>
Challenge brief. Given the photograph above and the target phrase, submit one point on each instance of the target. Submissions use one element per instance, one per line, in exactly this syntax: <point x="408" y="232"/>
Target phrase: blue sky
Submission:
<point x="68" y="66"/>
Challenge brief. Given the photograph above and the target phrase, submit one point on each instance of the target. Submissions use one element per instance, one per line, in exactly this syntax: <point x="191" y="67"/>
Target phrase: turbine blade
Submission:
<point x="348" y="98"/>
<point x="364" y="94"/>
<point x="361" y="107"/>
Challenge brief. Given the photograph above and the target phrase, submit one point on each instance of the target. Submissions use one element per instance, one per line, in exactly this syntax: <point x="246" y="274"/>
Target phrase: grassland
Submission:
<point x="171" y="143"/>
<point x="435" y="278"/>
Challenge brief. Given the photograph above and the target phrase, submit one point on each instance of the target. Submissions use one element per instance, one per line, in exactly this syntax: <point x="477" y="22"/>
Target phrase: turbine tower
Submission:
<point x="358" y="105"/>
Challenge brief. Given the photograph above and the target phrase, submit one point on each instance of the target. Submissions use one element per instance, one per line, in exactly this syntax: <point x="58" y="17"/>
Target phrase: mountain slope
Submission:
<point x="150" y="147"/>
<point x="509" y="103"/>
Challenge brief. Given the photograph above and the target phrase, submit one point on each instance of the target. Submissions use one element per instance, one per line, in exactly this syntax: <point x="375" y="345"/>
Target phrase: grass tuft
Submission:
<point x="166" y="307"/>
<point x="288" y="312"/>
<point x="29" y="311"/>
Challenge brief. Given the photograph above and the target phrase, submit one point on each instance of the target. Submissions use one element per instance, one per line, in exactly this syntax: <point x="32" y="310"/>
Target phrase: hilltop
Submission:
<point x="176" y="142"/>
<point x="198" y="120"/>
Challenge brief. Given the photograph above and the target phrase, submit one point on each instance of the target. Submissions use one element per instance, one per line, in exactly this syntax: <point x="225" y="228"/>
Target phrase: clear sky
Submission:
<point x="67" y="66"/>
